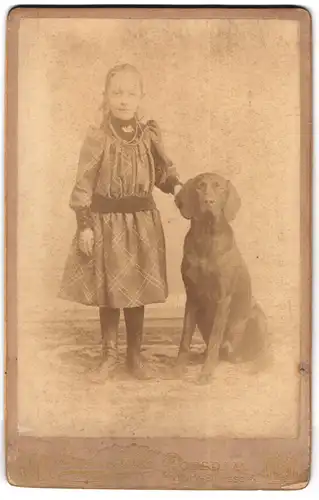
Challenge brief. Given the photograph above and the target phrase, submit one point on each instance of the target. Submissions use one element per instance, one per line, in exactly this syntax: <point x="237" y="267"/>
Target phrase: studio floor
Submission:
<point x="57" y="398"/>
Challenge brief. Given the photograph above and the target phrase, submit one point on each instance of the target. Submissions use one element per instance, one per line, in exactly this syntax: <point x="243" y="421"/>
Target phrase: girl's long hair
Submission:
<point x="104" y="108"/>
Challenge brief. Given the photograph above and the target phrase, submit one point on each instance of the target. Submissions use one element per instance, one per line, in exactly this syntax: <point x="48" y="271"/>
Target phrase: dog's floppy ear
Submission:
<point x="232" y="204"/>
<point x="185" y="200"/>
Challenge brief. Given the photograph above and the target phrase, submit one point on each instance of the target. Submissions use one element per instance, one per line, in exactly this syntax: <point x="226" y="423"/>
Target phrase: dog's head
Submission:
<point x="208" y="194"/>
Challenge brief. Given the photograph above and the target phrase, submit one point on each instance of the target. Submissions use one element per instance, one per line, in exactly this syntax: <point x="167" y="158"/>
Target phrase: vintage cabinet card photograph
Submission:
<point x="158" y="248"/>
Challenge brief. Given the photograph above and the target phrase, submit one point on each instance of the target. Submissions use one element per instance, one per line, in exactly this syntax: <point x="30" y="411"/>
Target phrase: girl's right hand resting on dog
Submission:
<point x="86" y="241"/>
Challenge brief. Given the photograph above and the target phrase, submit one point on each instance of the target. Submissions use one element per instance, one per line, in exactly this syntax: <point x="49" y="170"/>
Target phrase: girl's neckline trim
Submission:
<point x="137" y="136"/>
<point x="121" y="138"/>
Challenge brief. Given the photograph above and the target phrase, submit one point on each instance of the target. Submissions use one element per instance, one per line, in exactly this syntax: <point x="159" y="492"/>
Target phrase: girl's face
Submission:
<point x="124" y="94"/>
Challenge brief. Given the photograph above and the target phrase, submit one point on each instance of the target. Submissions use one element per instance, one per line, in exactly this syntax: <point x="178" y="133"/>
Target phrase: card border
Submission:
<point x="158" y="463"/>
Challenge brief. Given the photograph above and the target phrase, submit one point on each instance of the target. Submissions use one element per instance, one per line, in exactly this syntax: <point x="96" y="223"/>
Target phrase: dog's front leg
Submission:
<point x="189" y="326"/>
<point x="215" y="339"/>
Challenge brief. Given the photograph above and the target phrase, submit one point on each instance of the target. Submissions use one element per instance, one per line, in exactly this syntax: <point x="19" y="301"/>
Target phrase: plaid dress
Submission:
<point x="128" y="264"/>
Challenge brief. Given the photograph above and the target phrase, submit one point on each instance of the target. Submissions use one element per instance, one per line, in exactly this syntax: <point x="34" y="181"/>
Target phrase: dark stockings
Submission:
<point x="109" y="320"/>
<point x="134" y="321"/>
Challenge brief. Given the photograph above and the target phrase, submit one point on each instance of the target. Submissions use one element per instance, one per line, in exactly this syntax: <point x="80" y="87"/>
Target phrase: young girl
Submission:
<point x="117" y="259"/>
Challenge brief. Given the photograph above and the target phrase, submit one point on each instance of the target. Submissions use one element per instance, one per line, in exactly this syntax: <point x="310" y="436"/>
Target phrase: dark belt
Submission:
<point x="125" y="205"/>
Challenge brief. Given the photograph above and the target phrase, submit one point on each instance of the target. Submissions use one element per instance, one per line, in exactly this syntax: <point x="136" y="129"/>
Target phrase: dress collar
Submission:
<point x="128" y="131"/>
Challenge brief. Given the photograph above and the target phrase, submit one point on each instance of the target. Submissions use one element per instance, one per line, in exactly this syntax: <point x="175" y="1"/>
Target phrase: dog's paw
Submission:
<point x="182" y="361"/>
<point x="179" y="370"/>
<point x="173" y="373"/>
<point x="205" y="378"/>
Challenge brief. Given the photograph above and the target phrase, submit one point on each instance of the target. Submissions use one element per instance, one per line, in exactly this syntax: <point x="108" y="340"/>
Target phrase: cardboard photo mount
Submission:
<point x="159" y="463"/>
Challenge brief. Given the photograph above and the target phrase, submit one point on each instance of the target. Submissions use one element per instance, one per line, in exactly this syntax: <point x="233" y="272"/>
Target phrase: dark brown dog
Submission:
<point x="217" y="283"/>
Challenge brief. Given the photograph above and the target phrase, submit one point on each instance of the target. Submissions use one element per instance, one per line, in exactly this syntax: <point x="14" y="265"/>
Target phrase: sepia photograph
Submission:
<point x="158" y="248"/>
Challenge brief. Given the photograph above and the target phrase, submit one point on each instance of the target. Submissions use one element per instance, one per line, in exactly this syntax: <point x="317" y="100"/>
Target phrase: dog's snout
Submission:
<point x="209" y="202"/>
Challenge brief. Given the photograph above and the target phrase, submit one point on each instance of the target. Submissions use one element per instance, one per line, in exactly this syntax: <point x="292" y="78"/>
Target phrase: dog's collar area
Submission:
<point x="209" y="220"/>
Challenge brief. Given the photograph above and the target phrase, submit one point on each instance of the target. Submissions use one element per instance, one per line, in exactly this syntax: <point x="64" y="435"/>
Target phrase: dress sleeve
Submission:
<point x="166" y="177"/>
<point x="88" y="166"/>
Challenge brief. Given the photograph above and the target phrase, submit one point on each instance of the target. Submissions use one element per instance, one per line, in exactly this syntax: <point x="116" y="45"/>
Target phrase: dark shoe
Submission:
<point x="104" y="371"/>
